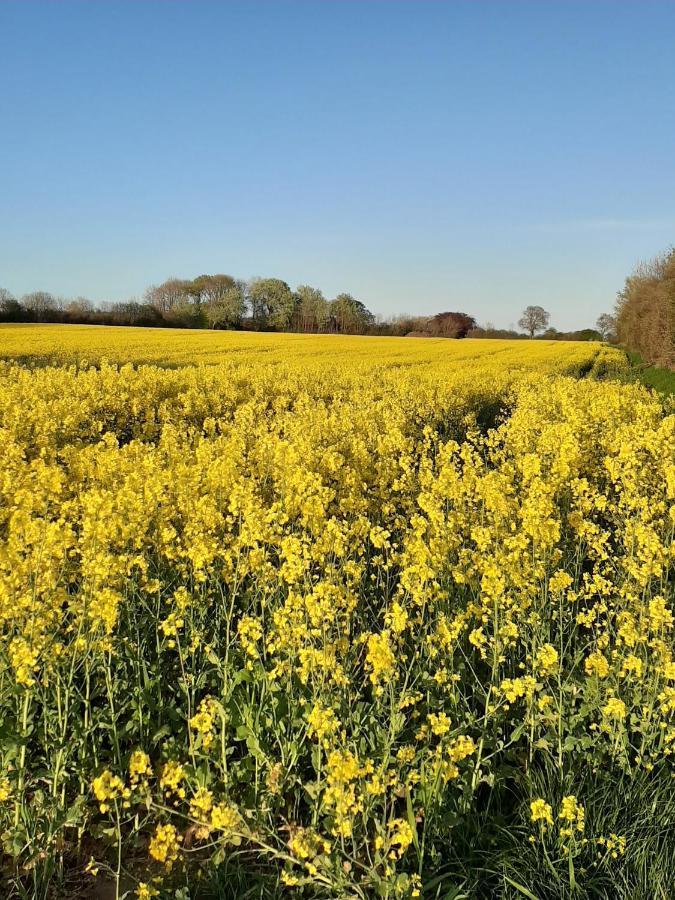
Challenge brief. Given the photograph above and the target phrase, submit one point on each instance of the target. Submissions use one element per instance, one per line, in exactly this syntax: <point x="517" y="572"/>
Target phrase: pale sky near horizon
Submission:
<point x="423" y="156"/>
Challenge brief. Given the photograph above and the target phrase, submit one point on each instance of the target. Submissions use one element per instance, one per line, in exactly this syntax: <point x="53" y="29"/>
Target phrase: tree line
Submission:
<point x="223" y="302"/>
<point x="265" y="304"/>
<point x="208" y="301"/>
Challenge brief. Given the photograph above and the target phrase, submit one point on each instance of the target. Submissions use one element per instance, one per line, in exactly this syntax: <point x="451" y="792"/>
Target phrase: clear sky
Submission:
<point x="422" y="156"/>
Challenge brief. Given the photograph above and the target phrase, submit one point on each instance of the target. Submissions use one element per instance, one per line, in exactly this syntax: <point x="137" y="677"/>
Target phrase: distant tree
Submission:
<point x="349" y="315"/>
<point x="583" y="334"/>
<point x="169" y="294"/>
<point x="451" y="324"/>
<point x="207" y="289"/>
<point x="272" y="303"/>
<point x="404" y="324"/>
<point x="311" y="309"/>
<point x="490" y="331"/>
<point x="551" y="334"/>
<point x="133" y="312"/>
<point x="606" y="325"/>
<point x="226" y="309"/>
<point x="6" y="297"/>
<point x="534" y="319"/>
<point x="187" y="313"/>
<point x="39" y="304"/>
<point x="80" y="307"/>
<point x="10" y="308"/>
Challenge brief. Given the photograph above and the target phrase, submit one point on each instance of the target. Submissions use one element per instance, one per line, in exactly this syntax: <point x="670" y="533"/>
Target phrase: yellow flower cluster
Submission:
<point x="573" y="814"/>
<point x="139" y="766"/>
<point x="108" y="787"/>
<point x="571" y="818"/>
<point x="540" y="811"/>
<point x="165" y="844"/>
<point x="203" y="722"/>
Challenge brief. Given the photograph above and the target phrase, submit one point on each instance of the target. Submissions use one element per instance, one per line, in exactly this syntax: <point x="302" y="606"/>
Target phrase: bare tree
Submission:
<point x="170" y="293"/>
<point x="10" y="308"/>
<point x="39" y="303"/>
<point x="211" y="288"/>
<point x="606" y="325"/>
<point x="645" y="310"/>
<point x="7" y="299"/>
<point x="533" y="319"/>
<point x="80" y="306"/>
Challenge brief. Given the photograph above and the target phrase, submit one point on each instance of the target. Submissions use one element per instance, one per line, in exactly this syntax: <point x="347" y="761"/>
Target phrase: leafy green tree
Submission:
<point x="272" y="303"/>
<point x="349" y="315"/>
<point x="226" y="310"/>
<point x="311" y="309"/>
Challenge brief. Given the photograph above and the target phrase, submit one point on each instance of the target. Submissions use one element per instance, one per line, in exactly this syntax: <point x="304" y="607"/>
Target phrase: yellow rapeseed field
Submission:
<point x="180" y="347"/>
<point x="332" y="616"/>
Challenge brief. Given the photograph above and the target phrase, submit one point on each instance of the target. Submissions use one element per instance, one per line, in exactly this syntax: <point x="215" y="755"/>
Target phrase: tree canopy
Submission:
<point x="534" y="319"/>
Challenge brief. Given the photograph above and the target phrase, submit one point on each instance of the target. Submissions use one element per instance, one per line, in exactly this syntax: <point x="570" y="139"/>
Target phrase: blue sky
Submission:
<point x="423" y="156"/>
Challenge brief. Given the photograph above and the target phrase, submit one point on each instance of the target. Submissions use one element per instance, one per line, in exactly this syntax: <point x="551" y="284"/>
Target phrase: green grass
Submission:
<point x="662" y="380"/>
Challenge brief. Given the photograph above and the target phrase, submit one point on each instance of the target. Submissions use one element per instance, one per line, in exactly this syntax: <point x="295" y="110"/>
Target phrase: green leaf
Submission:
<point x="519" y="887"/>
<point x="411" y="820"/>
<point x="573" y="883"/>
<point x="518" y="731"/>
